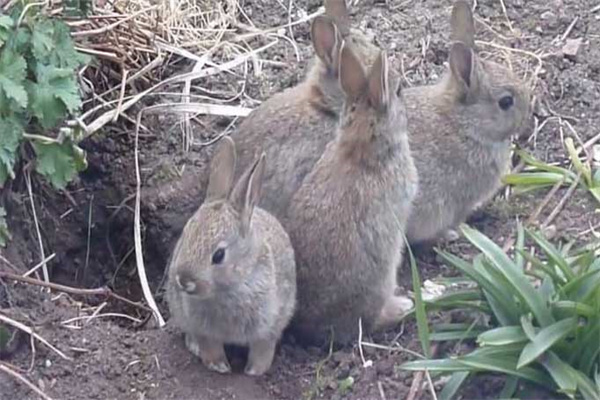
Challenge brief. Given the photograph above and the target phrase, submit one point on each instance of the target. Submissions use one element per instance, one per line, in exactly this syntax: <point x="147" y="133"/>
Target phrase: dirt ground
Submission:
<point x="90" y="228"/>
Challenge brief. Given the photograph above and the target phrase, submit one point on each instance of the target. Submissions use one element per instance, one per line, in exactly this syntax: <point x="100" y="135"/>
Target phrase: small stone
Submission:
<point x="571" y="48"/>
<point x="596" y="152"/>
<point x="48" y="363"/>
<point x="547" y="15"/>
<point x="550" y="232"/>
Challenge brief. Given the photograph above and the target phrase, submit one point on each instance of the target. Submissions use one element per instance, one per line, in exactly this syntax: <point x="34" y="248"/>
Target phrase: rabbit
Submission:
<point x="232" y="276"/>
<point x="346" y="221"/>
<point x="294" y="126"/>
<point x="460" y="131"/>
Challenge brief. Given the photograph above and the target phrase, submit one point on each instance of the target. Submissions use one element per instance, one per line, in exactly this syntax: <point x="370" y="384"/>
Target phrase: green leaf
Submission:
<point x="502" y="336"/>
<point x="504" y="308"/>
<point x="5" y="235"/>
<point x="13" y="70"/>
<point x="453" y="385"/>
<point x="553" y="254"/>
<point x="505" y="365"/>
<point x="545" y="339"/>
<point x="510" y="387"/>
<point x="59" y="162"/>
<point x="6" y="24"/>
<point x="42" y="41"/>
<point x="52" y="45"/>
<point x="520" y="247"/>
<point x="572" y="308"/>
<point x="530" y="160"/>
<point x="589" y="351"/>
<point x="10" y="137"/>
<point x="421" y="315"/>
<point x="53" y="95"/>
<point x="444" y="365"/>
<point x="560" y="372"/>
<point x="541" y="179"/>
<point x="586" y="387"/>
<point x="511" y="272"/>
<point x="453" y="335"/>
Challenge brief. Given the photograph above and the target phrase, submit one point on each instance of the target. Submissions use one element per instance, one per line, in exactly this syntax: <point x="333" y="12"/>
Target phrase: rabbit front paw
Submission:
<point x="210" y="351"/>
<point x="393" y="311"/>
<point x="260" y="357"/>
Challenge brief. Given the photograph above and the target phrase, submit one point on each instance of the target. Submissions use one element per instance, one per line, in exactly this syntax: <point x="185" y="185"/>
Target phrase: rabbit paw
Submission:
<point x="260" y="357"/>
<point x="211" y="352"/>
<point x="393" y="311"/>
<point x="451" y="236"/>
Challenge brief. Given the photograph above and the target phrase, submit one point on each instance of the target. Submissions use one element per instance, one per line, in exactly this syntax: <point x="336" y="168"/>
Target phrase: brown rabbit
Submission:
<point x="294" y="126"/>
<point x="232" y="275"/>
<point x="347" y="219"/>
<point x="460" y="132"/>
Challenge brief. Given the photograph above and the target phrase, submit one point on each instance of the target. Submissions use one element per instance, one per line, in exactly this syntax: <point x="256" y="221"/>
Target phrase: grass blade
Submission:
<point x="572" y="308"/>
<point x="502" y="336"/>
<point x="545" y="339"/>
<point x="520" y="247"/>
<point x="453" y="385"/>
<point x="507" y="366"/>
<point x="420" y="314"/>
<point x="453" y="335"/>
<point x="510" y="387"/>
<point x="504" y="308"/>
<point x="590" y="351"/>
<point x="560" y="372"/>
<point x="553" y="254"/>
<point x="443" y="365"/>
<point x="517" y="279"/>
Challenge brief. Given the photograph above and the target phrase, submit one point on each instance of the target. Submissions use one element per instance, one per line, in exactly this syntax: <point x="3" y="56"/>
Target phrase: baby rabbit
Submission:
<point x="460" y="132"/>
<point x="232" y="276"/>
<point x="295" y="125"/>
<point x="347" y="219"/>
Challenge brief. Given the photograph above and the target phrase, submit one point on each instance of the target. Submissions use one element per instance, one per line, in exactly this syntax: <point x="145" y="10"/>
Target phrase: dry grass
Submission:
<point x="142" y="46"/>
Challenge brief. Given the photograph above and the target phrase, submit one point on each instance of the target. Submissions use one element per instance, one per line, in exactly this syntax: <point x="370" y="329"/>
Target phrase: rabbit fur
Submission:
<point x="294" y="126"/>
<point x="347" y="219"/>
<point x="232" y="274"/>
<point x="460" y="133"/>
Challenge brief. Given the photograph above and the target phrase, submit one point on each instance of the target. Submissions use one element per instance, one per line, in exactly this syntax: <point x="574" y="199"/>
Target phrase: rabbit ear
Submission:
<point x="462" y="24"/>
<point x="222" y="168"/>
<point x="338" y="11"/>
<point x="352" y="75"/>
<point x="326" y="41"/>
<point x="379" y="84"/>
<point x="246" y="194"/>
<point x="462" y="65"/>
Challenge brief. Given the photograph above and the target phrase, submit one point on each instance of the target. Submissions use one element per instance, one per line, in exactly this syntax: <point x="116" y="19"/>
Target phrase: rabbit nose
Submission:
<point x="186" y="282"/>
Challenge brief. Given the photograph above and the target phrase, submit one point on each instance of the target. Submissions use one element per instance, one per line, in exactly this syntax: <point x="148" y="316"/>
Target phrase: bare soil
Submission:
<point x="90" y="228"/>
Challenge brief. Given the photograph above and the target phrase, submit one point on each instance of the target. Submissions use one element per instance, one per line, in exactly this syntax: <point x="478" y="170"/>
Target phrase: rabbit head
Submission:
<point x="327" y="34"/>
<point x="373" y="118"/>
<point x="217" y="250"/>
<point x="486" y="96"/>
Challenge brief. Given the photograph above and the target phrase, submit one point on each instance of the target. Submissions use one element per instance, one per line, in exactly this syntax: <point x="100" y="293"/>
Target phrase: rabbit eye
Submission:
<point x="506" y="102"/>
<point x="218" y="256"/>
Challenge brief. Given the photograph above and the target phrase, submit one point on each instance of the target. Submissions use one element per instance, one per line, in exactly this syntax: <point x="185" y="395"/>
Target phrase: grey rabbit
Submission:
<point x="295" y="125"/>
<point x="232" y="276"/>
<point x="346" y="221"/>
<point x="460" y="131"/>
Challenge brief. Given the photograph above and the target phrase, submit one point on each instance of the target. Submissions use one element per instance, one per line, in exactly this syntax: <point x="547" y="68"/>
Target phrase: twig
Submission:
<point x="37" y="226"/>
<point x="416" y="386"/>
<point x="108" y="116"/>
<point x="381" y="392"/>
<point x="431" y="387"/>
<point x="569" y="29"/>
<point x="107" y="28"/>
<point x="506" y="16"/>
<point x="30" y="331"/>
<point x="562" y="202"/>
<point x="22" y="379"/>
<point x="7" y="262"/>
<point x="67" y="289"/>
<point x="545" y="202"/>
<point x="137" y="236"/>
<point x="360" y="348"/>
<point x="41" y="263"/>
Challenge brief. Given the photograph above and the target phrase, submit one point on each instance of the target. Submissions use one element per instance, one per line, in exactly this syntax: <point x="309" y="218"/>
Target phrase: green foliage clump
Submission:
<point x="38" y="90"/>
<point x="545" y="317"/>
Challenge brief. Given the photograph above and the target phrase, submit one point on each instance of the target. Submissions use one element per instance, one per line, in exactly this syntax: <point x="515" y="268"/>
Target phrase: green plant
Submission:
<point x="4" y="233"/>
<point x="38" y="90"/>
<point x="541" y="175"/>
<point x="545" y="313"/>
